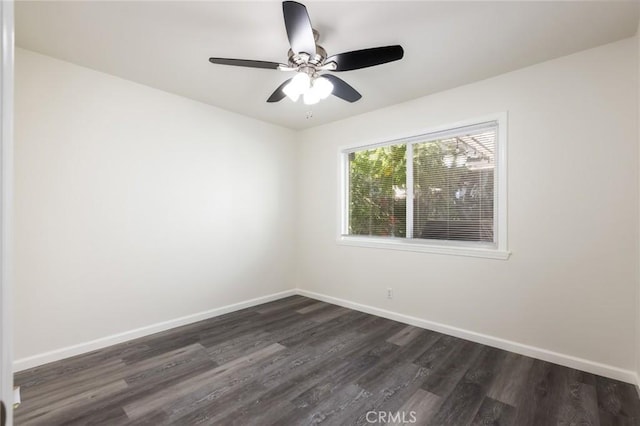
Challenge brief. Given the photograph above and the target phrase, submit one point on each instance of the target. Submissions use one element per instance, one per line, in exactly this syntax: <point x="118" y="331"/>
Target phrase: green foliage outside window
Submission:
<point x="450" y="202"/>
<point x="376" y="176"/>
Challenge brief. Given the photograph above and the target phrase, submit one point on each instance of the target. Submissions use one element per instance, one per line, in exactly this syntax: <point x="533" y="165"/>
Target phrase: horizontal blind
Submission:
<point x="453" y="178"/>
<point x="377" y="191"/>
<point x="438" y="134"/>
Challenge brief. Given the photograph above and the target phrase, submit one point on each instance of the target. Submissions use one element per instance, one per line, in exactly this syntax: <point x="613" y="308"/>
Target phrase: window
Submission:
<point x="443" y="191"/>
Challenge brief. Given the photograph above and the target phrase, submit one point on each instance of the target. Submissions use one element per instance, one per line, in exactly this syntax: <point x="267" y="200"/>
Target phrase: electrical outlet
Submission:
<point x="16" y="397"/>
<point x="389" y="293"/>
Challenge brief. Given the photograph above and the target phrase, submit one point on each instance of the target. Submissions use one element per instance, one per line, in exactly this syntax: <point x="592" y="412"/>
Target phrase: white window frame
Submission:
<point x="497" y="250"/>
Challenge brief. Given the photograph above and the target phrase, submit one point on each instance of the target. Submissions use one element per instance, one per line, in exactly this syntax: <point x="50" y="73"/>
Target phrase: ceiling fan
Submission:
<point x="309" y="60"/>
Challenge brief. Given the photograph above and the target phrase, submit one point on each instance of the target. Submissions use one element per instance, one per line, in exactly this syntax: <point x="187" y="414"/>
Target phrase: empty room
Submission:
<point x="329" y="212"/>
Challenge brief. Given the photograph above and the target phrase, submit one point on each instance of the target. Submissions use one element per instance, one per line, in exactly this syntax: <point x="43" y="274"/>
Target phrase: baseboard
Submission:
<point x="69" y="351"/>
<point x="531" y="351"/>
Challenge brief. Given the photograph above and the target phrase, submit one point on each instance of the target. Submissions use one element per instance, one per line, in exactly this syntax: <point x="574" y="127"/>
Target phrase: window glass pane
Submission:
<point x="377" y="191"/>
<point x="454" y="187"/>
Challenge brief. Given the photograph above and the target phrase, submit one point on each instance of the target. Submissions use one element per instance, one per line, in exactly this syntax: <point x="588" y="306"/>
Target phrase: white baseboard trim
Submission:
<point x="605" y="370"/>
<point x="69" y="351"/>
<point x="520" y="348"/>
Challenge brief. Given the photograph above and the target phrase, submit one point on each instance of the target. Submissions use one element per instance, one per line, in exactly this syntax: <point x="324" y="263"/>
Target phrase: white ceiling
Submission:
<point x="166" y="45"/>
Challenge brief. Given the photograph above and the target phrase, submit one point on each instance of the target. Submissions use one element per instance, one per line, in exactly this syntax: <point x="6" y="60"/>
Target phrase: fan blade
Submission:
<point x="342" y="90"/>
<point x="299" y="30"/>
<point x="366" y="57"/>
<point x="245" y="63"/>
<point x="278" y="95"/>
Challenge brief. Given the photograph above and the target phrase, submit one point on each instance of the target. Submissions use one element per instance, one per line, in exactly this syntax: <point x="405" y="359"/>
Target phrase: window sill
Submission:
<point x="400" y="244"/>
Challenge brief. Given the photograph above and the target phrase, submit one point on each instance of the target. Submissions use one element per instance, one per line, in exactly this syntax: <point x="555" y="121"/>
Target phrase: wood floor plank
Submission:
<point x="462" y="404"/>
<point x="223" y="397"/>
<point x="75" y="382"/>
<point x="350" y="361"/>
<point x="325" y="330"/>
<point x="617" y="399"/>
<point x="161" y="347"/>
<point x="162" y="397"/>
<point x="342" y="377"/>
<point x="583" y="377"/>
<point x="289" y="303"/>
<point x="303" y="377"/>
<point x="49" y="393"/>
<point x="298" y="361"/>
<point x="325" y="315"/>
<point x="312" y="307"/>
<point x="228" y="350"/>
<point x="114" y="416"/>
<point x="445" y="377"/>
<point x="392" y="390"/>
<point x="134" y="392"/>
<point x="438" y="353"/>
<point x="66" y="368"/>
<point x="494" y="412"/>
<point x="405" y="354"/>
<point x="405" y="335"/>
<point x="421" y="406"/>
<point x="538" y="401"/>
<point x="155" y="418"/>
<point x="261" y="323"/>
<point x="45" y="415"/>
<point x="210" y="406"/>
<point x="579" y="405"/>
<point x="164" y="364"/>
<point x="608" y="419"/>
<point x="162" y="342"/>
<point x="328" y="410"/>
<point x="511" y="381"/>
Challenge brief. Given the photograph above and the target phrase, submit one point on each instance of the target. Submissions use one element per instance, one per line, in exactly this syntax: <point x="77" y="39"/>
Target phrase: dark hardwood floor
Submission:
<point x="297" y="361"/>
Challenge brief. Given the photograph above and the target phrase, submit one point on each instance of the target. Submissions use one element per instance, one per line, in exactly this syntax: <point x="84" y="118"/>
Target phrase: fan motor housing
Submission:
<point x="301" y="58"/>
<point x="311" y="61"/>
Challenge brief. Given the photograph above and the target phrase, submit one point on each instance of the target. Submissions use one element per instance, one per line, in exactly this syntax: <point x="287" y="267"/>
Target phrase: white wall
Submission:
<point x="135" y="206"/>
<point x="570" y="284"/>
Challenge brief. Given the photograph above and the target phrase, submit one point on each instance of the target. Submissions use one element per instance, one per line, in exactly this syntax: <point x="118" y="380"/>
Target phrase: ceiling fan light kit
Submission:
<point x="312" y="89"/>
<point x="308" y="60"/>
